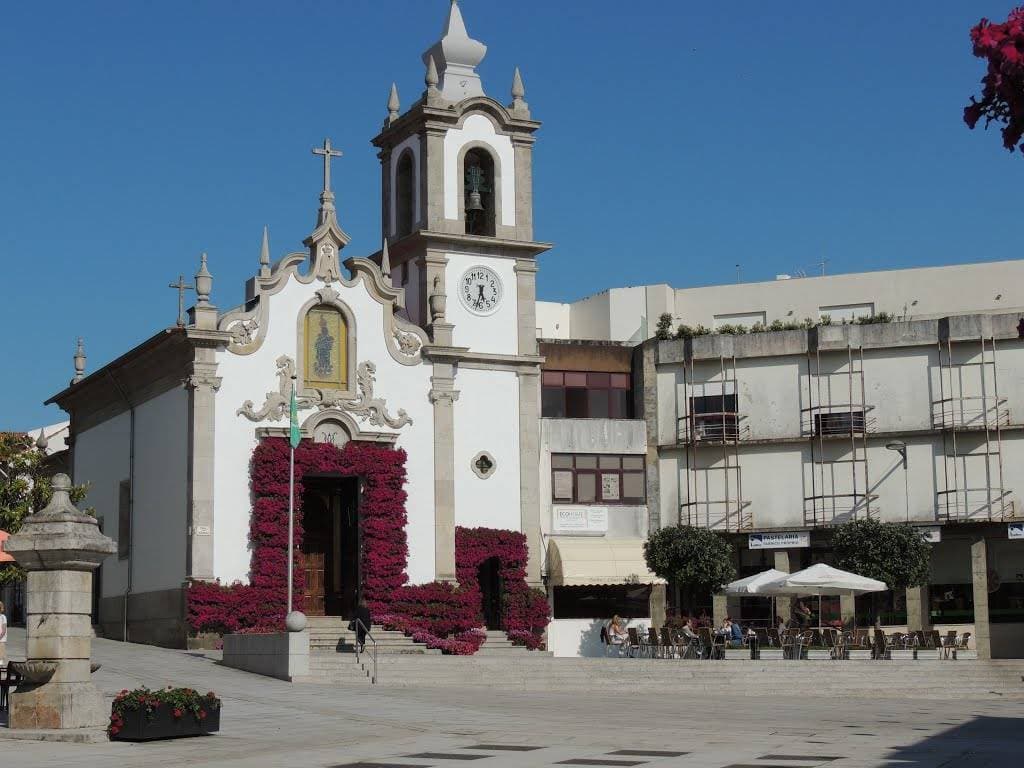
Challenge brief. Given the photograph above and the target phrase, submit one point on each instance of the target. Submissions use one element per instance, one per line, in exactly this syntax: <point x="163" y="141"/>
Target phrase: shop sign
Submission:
<point x="581" y="519"/>
<point x="784" y="540"/>
<point x="931" y="533"/>
<point x="1015" y="530"/>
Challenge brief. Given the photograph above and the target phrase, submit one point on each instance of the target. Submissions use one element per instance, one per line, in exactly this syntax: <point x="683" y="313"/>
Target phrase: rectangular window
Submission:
<point x="586" y="395"/>
<point x="124" y="519"/>
<point x="839" y="423"/>
<point x="597" y="479"/>
<point x="630" y="601"/>
<point x="714" y="417"/>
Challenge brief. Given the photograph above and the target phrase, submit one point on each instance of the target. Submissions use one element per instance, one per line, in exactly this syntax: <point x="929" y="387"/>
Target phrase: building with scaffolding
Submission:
<point x="775" y="437"/>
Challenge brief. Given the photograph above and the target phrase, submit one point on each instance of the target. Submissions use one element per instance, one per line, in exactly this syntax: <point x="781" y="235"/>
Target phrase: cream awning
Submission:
<point x="581" y="561"/>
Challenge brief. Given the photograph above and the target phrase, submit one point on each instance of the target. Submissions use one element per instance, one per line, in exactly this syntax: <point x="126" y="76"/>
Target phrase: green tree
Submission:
<point x="895" y="553"/>
<point x="663" y="330"/>
<point x="690" y="558"/>
<point x="24" y="487"/>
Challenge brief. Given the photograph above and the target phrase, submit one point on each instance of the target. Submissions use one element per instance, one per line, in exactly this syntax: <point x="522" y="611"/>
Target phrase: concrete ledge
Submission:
<point x="284" y="655"/>
<point x="68" y="735"/>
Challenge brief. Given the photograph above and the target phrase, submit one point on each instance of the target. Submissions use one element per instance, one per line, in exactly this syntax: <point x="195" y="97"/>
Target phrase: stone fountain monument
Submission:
<point x="60" y="547"/>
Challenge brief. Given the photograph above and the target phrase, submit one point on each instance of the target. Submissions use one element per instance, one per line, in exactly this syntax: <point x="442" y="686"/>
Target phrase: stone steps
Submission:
<point x="529" y="671"/>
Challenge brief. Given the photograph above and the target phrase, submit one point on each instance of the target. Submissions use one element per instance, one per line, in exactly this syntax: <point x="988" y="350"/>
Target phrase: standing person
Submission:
<point x="3" y="635"/>
<point x="802" y="614"/>
<point x="360" y="623"/>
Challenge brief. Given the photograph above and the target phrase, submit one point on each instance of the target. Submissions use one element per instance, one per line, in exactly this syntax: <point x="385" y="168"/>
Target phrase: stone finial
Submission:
<point x="394" y="105"/>
<point x="79" y="362"/>
<point x="385" y="260"/>
<point x="204" y="282"/>
<point x="457" y="55"/>
<point x="42" y="442"/>
<point x="265" y="254"/>
<point x="438" y="301"/>
<point x="430" y="78"/>
<point x="518" y="94"/>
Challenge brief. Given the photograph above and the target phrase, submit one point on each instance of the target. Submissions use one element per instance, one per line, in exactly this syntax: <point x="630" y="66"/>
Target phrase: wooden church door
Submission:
<point x="316" y="541"/>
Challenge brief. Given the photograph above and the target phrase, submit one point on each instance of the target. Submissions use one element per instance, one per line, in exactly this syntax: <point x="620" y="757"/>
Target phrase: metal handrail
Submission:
<point x="373" y="654"/>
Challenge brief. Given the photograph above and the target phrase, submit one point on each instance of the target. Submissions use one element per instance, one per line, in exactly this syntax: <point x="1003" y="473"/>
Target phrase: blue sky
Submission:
<point x="679" y="139"/>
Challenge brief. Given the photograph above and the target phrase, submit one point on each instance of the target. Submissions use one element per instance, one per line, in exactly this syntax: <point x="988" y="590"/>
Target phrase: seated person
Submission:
<point x="617" y="631"/>
<point x="736" y="638"/>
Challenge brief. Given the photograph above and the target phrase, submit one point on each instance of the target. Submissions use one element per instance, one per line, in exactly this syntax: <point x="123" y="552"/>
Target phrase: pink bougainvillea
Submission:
<point x="261" y="604"/>
<point x="1002" y="95"/>
<point x="438" y="614"/>
<point x="524" y="611"/>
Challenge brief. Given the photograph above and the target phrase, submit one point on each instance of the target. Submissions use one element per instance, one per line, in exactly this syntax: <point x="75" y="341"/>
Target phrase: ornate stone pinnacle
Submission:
<point x="518" y="90"/>
<point x="265" y="254"/>
<point x="385" y="260"/>
<point x="394" y="105"/>
<point x="42" y="442"/>
<point x="204" y="282"/>
<point x="431" y="77"/>
<point x="79" y="362"/>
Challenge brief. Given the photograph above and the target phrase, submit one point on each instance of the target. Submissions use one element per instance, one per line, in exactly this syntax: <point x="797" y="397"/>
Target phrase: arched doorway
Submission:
<point x="489" y="579"/>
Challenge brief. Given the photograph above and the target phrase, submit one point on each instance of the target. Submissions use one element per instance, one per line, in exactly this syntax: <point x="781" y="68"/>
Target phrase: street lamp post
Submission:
<point x="901" y="448"/>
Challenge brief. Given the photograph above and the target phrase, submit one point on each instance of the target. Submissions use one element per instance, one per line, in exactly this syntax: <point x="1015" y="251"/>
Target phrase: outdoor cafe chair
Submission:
<point x="774" y="638"/>
<point x="691" y="647"/>
<point x="882" y="646"/>
<point x="8" y="679"/>
<point x="860" y="639"/>
<point x="654" y="644"/>
<point x="787" y="641"/>
<point x="961" y="644"/>
<point x="714" y="645"/>
<point x="635" y="646"/>
<point x="669" y="644"/>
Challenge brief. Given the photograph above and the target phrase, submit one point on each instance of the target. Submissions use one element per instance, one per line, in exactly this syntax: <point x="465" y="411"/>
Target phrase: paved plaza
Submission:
<point x="272" y="723"/>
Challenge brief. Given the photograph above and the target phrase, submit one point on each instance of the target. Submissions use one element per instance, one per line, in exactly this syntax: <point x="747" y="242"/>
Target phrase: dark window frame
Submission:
<point x="596" y="472"/>
<point x="617" y="389"/>
<point x="839" y="422"/>
<point x="715" y="417"/>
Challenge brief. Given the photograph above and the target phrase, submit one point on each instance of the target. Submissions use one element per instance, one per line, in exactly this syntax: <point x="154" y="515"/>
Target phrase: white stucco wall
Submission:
<point x="160" y="492"/>
<point x="487" y="419"/>
<point x="553" y="320"/>
<point x="249" y="377"/>
<point x="479" y="130"/>
<point x="568" y="638"/>
<point x="496" y="333"/>
<point x="101" y="460"/>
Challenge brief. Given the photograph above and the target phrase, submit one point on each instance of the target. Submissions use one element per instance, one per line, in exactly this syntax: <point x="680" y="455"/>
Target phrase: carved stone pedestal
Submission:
<point x="60" y="548"/>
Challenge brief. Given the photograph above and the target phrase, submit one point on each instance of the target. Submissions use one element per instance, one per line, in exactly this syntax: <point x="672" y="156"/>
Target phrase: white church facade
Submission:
<point x="428" y="346"/>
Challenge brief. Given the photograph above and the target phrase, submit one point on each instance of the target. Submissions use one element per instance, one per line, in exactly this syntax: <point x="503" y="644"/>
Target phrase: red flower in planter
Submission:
<point x="177" y="713"/>
<point x="202" y="714"/>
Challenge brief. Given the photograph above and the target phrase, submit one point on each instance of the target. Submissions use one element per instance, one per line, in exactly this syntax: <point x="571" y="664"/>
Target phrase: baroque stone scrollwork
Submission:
<point x="366" y="407"/>
<point x="243" y="332"/>
<point x="276" y="403"/>
<point x="408" y="343"/>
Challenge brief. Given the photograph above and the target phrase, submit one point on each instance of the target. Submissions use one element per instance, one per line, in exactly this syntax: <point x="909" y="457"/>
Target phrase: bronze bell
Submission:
<point x="475" y="203"/>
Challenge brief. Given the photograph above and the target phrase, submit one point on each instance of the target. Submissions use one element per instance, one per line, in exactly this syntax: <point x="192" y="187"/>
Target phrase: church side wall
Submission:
<point x="160" y="513"/>
<point x="486" y="419"/>
<point x="250" y="377"/>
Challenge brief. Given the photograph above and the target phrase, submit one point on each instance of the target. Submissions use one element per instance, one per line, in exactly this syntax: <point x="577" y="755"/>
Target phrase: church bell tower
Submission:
<point x="457" y="218"/>
<point x="456" y="180"/>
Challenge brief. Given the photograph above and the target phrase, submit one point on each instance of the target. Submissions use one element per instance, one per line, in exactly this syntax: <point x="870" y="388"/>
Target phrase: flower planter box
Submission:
<point x="162" y="724"/>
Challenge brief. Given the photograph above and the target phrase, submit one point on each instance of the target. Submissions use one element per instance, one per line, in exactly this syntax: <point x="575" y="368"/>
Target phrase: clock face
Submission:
<point x="480" y="290"/>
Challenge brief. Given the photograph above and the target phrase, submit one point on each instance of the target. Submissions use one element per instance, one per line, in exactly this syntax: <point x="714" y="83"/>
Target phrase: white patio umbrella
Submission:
<point x="819" y="580"/>
<point x="750" y="584"/>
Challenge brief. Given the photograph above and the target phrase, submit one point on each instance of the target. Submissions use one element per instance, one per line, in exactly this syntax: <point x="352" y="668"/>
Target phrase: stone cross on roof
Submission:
<point x="181" y="286"/>
<point x="327" y="196"/>
<point x="327" y="151"/>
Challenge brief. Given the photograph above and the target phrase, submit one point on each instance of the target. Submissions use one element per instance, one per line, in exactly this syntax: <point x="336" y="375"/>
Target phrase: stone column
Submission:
<point x="719" y="607"/>
<point x="202" y="387"/>
<point x="979" y="578"/>
<point x="847" y="608"/>
<point x="918" y="615"/>
<point x="656" y="603"/>
<point x="783" y="604"/>
<point x="60" y="548"/>
<point x="443" y="395"/>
